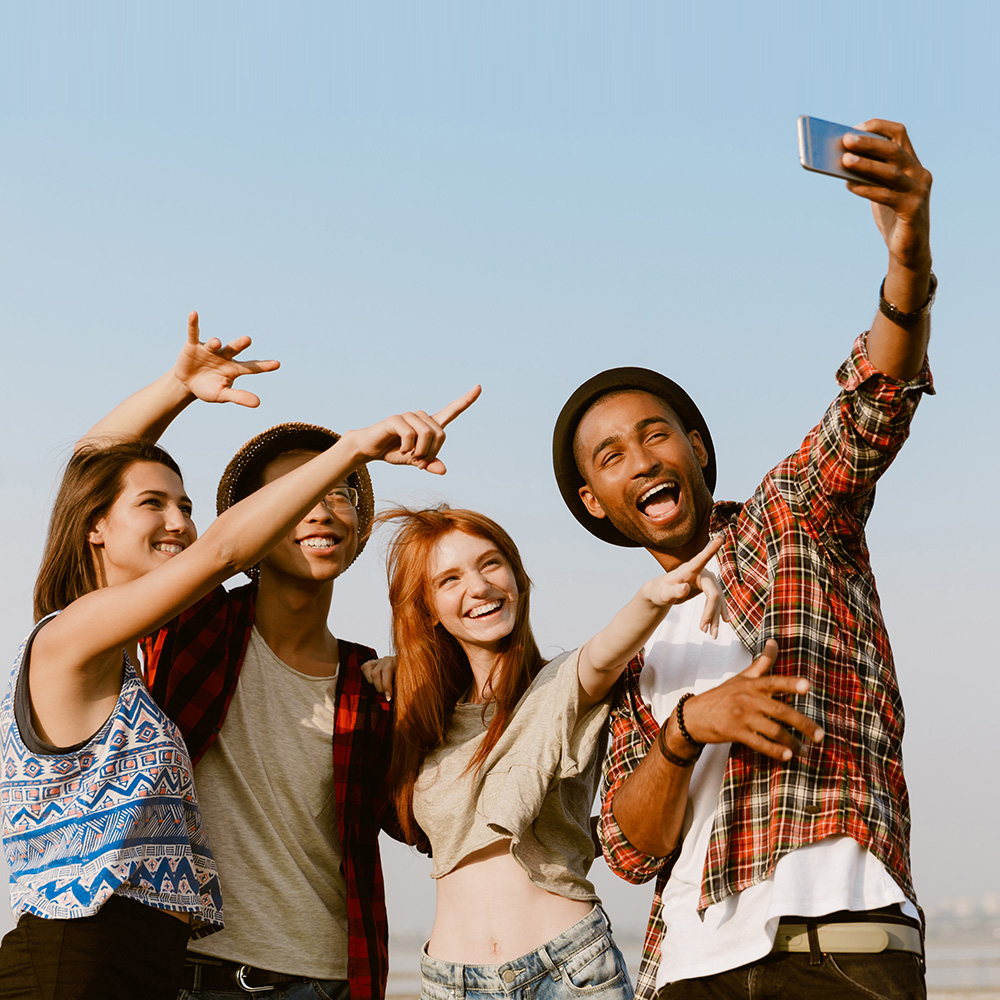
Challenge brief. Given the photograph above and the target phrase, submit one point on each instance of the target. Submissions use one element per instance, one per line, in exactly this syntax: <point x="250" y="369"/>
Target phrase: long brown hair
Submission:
<point x="90" y="485"/>
<point x="432" y="670"/>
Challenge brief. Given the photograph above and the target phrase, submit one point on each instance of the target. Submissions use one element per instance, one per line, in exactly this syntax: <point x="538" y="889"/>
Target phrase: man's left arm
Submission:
<point x="898" y="188"/>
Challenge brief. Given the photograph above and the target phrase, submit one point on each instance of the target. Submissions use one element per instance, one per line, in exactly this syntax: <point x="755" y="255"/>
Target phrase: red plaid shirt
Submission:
<point x="192" y="666"/>
<point x="795" y="567"/>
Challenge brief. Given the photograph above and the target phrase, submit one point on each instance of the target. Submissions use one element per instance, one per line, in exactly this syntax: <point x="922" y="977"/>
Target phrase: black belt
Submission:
<point x="218" y="975"/>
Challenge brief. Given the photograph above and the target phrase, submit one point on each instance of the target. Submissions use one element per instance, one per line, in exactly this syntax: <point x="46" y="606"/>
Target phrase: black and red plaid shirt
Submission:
<point x="192" y="666"/>
<point x="795" y="567"/>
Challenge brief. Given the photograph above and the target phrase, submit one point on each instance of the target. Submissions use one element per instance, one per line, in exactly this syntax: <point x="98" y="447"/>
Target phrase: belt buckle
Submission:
<point x="245" y="986"/>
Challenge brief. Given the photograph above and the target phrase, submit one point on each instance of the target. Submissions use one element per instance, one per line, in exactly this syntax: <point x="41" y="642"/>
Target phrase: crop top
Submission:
<point x="536" y="787"/>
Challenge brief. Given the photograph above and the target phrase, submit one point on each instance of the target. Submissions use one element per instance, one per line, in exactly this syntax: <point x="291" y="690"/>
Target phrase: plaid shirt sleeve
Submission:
<point x="842" y="458"/>
<point x="633" y="730"/>
<point x="193" y="662"/>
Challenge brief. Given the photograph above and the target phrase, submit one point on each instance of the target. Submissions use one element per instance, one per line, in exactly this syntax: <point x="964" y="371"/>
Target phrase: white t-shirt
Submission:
<point x="829" y="875"/>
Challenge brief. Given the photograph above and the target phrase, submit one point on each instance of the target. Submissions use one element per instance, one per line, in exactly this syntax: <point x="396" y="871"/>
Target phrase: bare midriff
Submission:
<point x="489" y="911"/>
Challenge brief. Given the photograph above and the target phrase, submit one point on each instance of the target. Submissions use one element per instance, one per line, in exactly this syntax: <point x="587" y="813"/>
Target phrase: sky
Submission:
<point x="401" y="200"/>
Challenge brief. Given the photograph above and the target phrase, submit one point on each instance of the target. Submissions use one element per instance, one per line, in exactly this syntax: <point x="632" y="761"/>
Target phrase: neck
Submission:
<point x="291" y="617"/>
<point x="482" y="662"/>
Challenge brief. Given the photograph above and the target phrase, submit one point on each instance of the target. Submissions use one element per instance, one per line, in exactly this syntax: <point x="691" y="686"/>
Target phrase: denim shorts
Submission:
<point x="583" y="961"/>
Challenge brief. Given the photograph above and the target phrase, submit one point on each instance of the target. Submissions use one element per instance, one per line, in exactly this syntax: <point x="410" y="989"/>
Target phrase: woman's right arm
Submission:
<point x="202" y="371"/>
<point x="76" y="658"/>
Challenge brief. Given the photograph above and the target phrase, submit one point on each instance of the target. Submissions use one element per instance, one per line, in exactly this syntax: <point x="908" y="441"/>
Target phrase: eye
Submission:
<point x="187" y="509"/>
<point x="150" y="502"/>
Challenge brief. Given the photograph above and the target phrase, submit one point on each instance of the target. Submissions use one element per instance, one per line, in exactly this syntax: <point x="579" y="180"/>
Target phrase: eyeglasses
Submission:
<point x="342" y="496"/>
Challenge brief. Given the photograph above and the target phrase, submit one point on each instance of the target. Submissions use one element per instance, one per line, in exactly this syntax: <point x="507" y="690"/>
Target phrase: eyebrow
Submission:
<point x="616" y="438"/>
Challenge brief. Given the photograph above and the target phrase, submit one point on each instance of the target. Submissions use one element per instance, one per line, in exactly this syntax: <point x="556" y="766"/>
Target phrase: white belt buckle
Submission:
<point x="244" y="985"/>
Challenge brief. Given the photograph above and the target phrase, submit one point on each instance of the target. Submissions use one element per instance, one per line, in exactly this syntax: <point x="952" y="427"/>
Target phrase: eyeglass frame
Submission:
<point x="348" y="493"/>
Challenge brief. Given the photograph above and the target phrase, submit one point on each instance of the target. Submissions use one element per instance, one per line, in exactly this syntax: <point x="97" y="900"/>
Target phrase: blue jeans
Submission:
<point x="581" y="962"/>
<point x="307" y="989"/>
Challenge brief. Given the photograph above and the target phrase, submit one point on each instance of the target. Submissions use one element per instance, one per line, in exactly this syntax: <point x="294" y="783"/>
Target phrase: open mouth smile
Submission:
<point x="491" y="607"/>
<point x="171" y="548"/>
<point x="660" y="501"/>
<point x="319" y="542"/>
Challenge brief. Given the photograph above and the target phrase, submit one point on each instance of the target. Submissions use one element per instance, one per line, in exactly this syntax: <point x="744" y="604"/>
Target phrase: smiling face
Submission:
<point x="644" y="472"/>
<point x="148" y="524"/>
<point x="471" y="591"/>
<point x="321" y="546"/>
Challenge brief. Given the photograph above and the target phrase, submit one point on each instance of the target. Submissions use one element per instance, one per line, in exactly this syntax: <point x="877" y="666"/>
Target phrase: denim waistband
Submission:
<point x="514" y="974"/>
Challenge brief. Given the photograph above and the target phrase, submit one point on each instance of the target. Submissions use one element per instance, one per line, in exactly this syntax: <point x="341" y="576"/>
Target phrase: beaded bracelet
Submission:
<point x="691" y="741"/>
<point x="669" y="754"/>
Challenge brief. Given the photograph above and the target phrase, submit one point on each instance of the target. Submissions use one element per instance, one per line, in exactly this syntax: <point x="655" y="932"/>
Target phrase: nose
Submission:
<point x="177" y="522"/>
<point x="320" y="514"/>
<point x="643" y="462"/>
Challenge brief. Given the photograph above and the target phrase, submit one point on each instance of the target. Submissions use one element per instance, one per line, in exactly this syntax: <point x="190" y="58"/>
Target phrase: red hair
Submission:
<point x="432" y="670"/>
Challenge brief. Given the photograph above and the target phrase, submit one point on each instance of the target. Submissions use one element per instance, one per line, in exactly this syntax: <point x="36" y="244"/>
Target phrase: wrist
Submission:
<point x="672" y="745"/>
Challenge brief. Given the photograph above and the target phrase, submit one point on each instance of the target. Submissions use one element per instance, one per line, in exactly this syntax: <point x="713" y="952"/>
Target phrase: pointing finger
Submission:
<point x="460" y="405"/>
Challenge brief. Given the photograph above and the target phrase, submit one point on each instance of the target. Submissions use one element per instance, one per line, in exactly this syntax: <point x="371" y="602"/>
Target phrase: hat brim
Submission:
<point x="242" y="475"/>
<point x="568" y="476"/>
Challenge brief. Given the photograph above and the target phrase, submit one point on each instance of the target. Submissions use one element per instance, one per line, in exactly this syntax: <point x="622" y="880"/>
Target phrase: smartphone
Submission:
<point x="820" y="147"/>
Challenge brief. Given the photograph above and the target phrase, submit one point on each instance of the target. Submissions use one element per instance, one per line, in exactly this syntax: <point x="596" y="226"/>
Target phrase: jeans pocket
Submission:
<point x="888" y="975"/>
<point x="596" y="967"/>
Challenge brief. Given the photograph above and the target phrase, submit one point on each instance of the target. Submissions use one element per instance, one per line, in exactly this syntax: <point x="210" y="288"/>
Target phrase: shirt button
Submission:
<point x="812" y="810"/>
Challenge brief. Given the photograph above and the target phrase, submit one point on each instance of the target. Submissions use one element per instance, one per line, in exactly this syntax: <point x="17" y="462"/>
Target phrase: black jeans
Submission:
<point x="888" y="975"/>
<point x="125" y="951"/>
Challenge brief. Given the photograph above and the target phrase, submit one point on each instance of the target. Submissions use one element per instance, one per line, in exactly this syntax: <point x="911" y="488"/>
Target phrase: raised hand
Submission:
<point x="413" y="438"/>
<point x="747" y="709"/>
<point x="208" y="370"/>
<point x="899" y="189"/>
<point x="685" y="581"/>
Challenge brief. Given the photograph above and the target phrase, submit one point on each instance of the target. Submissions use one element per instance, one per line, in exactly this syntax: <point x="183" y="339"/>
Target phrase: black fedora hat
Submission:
<point x="242" y="475"/>
<point x="617" y="380"/>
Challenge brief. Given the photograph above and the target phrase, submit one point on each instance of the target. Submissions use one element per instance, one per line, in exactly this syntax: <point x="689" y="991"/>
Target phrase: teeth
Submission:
<point x="168" y="547"/>
<point x="318" y="543"/>
<point x="484" y="609"/>
<point x="659" y="486"/>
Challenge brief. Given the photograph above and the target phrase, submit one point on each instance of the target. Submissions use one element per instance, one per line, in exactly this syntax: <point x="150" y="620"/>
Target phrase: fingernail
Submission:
<point x="786" y="754"/>
<point x="818" y="735"/>
<point x="802" y="687"/>
<point x="851" y="158"/>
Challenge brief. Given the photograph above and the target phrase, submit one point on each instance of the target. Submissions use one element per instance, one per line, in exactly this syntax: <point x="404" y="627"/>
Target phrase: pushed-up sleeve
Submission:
<point x="831" y="479"/>
<point x="630" y="741"/>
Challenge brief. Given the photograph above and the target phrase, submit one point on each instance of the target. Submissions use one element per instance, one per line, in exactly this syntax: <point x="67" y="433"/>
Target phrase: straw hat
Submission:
<point x="243" y="474"/>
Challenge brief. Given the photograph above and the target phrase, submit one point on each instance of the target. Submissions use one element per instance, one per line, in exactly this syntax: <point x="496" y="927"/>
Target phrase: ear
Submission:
<point x="698" y="447"/>
<point x="96" y="534"/>
<point x="591" y="502"/>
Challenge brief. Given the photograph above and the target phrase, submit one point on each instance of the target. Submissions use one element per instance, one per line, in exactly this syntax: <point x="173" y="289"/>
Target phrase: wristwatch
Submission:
<point x="909" y="319"/>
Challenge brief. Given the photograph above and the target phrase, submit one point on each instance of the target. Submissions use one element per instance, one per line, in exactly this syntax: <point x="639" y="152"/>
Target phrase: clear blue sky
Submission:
<point x="400" y="200"/>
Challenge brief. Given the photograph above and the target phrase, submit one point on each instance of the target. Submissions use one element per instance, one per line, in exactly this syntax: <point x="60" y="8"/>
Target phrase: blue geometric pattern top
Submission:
<point x="116" y="814"/>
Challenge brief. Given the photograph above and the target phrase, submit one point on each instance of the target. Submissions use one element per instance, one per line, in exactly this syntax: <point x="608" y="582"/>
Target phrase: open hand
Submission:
<point x="413" y="438"/>
<point x="209" y="370"/>
<point x="899" y="188"/>
<point x="746" y="709"/>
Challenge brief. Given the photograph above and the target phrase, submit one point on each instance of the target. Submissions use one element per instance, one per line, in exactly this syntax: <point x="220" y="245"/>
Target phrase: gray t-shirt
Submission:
<point x="535" y="788"/>
<point x="266" y="787"/>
